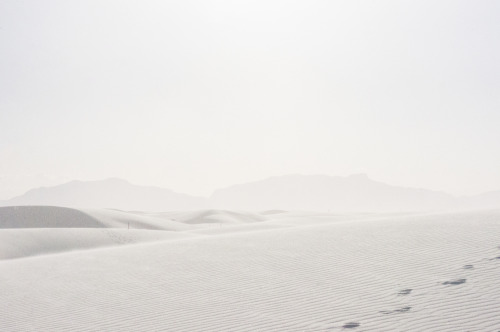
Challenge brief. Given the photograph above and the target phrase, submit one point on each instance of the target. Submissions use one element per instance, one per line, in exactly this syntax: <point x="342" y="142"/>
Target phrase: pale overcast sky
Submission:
<point x="196" y="95"/>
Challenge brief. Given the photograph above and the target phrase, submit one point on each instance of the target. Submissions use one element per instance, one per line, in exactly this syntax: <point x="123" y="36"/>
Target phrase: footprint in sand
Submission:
<point x="405" y="291"/>
<point x="350" y="325"/>
<point x="400" y="310"/>
<point x="454" y="282"/>
<point x="468" y="267"/>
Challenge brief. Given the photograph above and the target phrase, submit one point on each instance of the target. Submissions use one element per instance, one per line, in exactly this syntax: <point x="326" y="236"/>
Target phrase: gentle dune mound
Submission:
<point x="135" y="220"/>
<point x="272" y="212"/>
<point x="18" y="243"/>
<point x="216" y="217"/>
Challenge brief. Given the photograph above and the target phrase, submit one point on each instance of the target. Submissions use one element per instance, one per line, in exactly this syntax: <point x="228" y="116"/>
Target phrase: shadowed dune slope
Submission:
<point x="46" y="217"/>
<point x="62" y="217"/>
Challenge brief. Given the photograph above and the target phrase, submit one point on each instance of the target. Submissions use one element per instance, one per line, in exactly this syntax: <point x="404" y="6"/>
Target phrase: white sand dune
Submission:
<point x="62" y="217"/>
<point x="308" y="272"/>
<point x="135" y="220"/>
<point x="38" y="230"/>
<point x="18" y="243"/>
<point x="215" y="217"/>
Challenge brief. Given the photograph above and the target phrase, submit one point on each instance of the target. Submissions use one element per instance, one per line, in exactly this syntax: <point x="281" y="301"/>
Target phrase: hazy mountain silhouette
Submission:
<point x="355" y="193"/>
<point x="109" y="193"/>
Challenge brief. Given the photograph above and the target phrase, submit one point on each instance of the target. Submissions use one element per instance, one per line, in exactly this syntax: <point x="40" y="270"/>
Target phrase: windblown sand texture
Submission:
<point x="65" y="269"/>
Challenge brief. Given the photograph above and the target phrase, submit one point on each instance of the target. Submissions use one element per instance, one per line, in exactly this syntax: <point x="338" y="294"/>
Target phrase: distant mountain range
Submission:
<point x="355" y="193"/>
<point x="109" y="193"/>
<point x="323" y="193"/>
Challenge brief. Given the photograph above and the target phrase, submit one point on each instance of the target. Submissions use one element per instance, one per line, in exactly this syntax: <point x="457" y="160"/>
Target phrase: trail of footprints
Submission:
<point x="407" y="291"/>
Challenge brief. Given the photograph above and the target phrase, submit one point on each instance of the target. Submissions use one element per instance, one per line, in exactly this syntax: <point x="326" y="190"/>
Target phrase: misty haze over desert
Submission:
<point x="355" y="193"/>
<point x="249" y="165"/>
